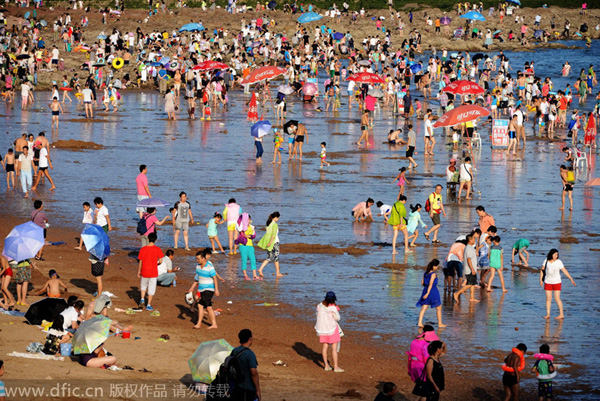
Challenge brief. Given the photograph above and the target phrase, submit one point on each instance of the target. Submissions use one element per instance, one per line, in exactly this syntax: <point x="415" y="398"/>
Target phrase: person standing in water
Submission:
<point x="270" y="242"/>
<point x="231" y="213"/>
<point x="398" y="222"/>
<point x="182" y="218"/>
<point x="430" y="297"/>
<point x="56" y="110"/>
<point x="551" y="282"/>
<point x="513" y="365"/>
<point x="567" y="177"/>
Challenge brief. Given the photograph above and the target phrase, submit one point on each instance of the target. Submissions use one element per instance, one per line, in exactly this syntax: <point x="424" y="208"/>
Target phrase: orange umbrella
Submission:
<point x="461" y="115"/>
<point x="263" y="73"/>
<point x="211" y="65"/>
<point x="463" y="88"/>
<point x="366" y="78"/>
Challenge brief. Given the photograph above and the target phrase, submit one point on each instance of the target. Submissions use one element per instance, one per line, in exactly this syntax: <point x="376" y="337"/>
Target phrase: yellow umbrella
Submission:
<point x="207" y="360"/>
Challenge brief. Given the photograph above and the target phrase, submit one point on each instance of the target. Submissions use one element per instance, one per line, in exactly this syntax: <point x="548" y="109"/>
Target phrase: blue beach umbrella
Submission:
<point x="338" y="35"/>
<point x="416" y="68"/>
<point x="191" y="27"/>
<point x="96" y="241"/>
<point x="260" y="129"/>
<point x="164" y="60"/>
<point x="155" y="64"/>
<point x="474" y="15"/>
<point x="517" y="2"/>
<point x="101" y="37"/>
<point x="24" y="241"/>
<point x="152" y="202"/>
<point x="309" y="17"/>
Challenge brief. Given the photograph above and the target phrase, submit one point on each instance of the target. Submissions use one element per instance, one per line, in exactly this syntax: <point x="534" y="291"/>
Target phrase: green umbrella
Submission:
<point x="207" y="359"/>
<point x="91" y="334"/>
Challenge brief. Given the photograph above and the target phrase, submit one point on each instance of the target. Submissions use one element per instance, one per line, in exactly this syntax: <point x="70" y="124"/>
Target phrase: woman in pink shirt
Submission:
<point x="363" y="209"/>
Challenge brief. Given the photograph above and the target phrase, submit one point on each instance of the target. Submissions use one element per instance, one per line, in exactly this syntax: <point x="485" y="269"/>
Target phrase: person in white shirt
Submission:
<point x="87" y="101"/>
<point x="551" y="282"/>
<point x="101" y="216"/>
<point x="466" y="177"/>
<point x="166" y="272"/>
<point x="429" y="139"/>
<point x="44" y="163"/>
<point x="71" y="316"/>
<point x="24" y="169"/>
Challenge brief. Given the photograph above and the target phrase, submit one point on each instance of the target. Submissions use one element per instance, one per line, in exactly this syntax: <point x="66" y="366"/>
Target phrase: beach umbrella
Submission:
<point x="23" y="56"/>
<point x="338" y="35"/>
<point x="255" y="44"/>
<point x="310" y="89"/>
<point x="416" y="68"/>
<point x="463" y="87"/>
<point x="445" y="20"/>
<point x="366" y="78"/>
<point x="96" y="241"/>
<point x="263" y="73"/>
<point x="24" y="241"/>
<point x="309" y="17"/>
<point x="272" y="4"/>
<point x="376" y="93"/>
<point x="207" y="359"/>
<point x="27" y="14"/>
<point x="211" y="65"/>
<point x="285" y="89"/>
<point x="497" y="32"/>
<point x="253" y="108"/>
<point x="154" y="64"/>
<point x="45" y="309"/>
<point x="461" y="114"/>
<point x="260" y="129"/>
<point x="191" y="27"/>
<point x="537" y="34"/>
<point x="474" y="15"/>
<point x="152" y="202"/>
<point x="101" y="37"/>
<point x="43" y="23"/>
<point x="517" y="2"/>
<point x="91" y="334"/>
<point x="365" y="63"/>
<point x="164" y="60"/>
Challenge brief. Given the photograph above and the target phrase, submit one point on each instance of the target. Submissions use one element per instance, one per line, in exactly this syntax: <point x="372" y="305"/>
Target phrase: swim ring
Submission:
<point x="118" y="63"/>
<point x="521" y="364"/>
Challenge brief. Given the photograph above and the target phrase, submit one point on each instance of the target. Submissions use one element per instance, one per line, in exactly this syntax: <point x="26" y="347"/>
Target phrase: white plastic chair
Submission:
<point x="580" y="157"/>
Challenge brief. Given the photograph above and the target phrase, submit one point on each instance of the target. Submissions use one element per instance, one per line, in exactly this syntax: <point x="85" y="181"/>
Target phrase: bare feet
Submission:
<point x="440" y="325"/>
<point x="455" y="296"/>
<point x="504" y="290"/>
<point x="547" y="317"/>
<point x="279" y="275"/>
<point x="198" y="326"/>
<point x="408" y="251"/>
<point x="420" y="325"/>
<point x="489" y="290"/>
<point x="212" y="327"/>
<point x="260" y="273"/>
<point x="78" y="248"/>
<point x="473" y="300"/>
<point x="559" y="317"/>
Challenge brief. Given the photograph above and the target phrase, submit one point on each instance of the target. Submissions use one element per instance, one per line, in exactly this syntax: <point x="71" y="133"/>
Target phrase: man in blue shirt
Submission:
<point x="249" y="388"/>
<point x="162" y="79"/>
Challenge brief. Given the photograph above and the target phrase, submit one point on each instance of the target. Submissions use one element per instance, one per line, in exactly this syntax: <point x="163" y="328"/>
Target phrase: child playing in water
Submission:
<point x="520" y="247"/>
<point x="483" y="260"/>
<point x="211" y="231"/>
<point x="496" y="263"/>
<point x="324" y="154"/>
<point x="52" y="286"/>
<point x="87" y="219"/>
<point x="9" y="166"/>
<point x="384" y="210"/>
<point x="402" y="181"/>
<point x="414" y="218"/>
<point x="277" y="151"/>
<point x="543" y="367"/>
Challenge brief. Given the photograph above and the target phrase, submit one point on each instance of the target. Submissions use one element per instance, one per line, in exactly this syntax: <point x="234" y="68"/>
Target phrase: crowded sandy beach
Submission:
<point x="288" y="202"/>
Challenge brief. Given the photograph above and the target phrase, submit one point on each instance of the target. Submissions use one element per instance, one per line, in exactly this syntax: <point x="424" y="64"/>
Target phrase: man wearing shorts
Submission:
<point x="410" y="146"/>
<point x="150" y="257"/>
<point x="435" y="209"/>
<point x="208" y="286"/>
<point x="520" y="127"/>
<point x="143" y="192"/>
<point x="87" y="101"/>
<point x="182" y="218"/>
<point x="44" y="163"/>
<point x="470" y="270"/>
<point x="231" y="213"/>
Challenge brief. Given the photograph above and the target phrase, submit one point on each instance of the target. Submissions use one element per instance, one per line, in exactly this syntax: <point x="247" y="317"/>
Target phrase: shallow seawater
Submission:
<point x="214" y="161"/>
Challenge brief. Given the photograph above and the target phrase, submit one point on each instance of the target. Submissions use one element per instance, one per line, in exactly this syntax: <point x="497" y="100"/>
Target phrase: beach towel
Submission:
<point x="36" y="356"/>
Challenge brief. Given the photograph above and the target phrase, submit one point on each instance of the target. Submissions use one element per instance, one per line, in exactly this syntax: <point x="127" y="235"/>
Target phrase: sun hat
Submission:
<point x="330" y="295"/>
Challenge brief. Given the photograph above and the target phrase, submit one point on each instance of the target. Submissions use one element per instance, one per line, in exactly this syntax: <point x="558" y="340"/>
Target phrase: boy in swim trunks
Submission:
<point x="520" y="247"/>
<point x="510" y="380"/>
<point x="52" y="286"/>
<point x="56" y="110"/>
<point x="9" y="166"/>
<point x="512" y="135"/>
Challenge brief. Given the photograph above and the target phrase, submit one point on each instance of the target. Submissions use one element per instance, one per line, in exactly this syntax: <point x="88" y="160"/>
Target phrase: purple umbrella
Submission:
<point x="445" y="20"/>
<point x="24" y="241"/>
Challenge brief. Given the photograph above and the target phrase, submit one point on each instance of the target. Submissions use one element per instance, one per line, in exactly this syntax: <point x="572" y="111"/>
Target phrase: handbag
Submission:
<point x="422" y="387"/>
<point x="241" y="239"/>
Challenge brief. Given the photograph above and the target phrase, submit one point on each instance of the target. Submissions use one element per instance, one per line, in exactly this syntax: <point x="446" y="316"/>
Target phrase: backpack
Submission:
<point x="141" y="225"/>
<point x="428" y="204"/>
<point x="229" y="375"/>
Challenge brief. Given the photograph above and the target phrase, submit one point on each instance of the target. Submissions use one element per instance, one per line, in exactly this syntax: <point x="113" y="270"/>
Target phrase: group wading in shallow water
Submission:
<point x="390" y="82"/>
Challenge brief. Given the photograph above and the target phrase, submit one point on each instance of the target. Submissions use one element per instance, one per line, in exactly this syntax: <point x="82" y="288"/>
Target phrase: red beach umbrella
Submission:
<point x="461" y="115"/>
<point x="366" y="78"/>
<point x="253" y="108"/>
<point x="464" y="88"/>
<point x="211" y="65"/>
<point x="262" y="73"/>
